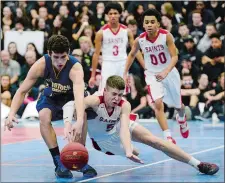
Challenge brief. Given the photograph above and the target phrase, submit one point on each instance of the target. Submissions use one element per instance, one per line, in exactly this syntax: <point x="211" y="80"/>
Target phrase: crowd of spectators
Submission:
<point x="198" y="28"/>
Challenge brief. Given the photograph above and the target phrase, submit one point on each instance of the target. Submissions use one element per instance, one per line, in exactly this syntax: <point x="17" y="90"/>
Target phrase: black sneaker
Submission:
<point x="61" y="171"/>
<point x="88" y="171"/>
<point x="208" y="168"/>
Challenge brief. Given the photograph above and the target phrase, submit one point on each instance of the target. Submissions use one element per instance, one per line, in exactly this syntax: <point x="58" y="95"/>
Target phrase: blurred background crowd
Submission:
<point x="198" y="28"/>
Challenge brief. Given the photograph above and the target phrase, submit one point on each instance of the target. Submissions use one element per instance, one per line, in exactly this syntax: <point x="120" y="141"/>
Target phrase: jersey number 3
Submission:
<point x="161" y="58"/>
<point x="115" y="50"/>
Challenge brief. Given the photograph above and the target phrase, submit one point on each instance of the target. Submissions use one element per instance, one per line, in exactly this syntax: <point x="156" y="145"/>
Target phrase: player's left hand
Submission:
<point x="76" y="132"/>
<point x="162" y="75"/>
<point x="134" y="158"/>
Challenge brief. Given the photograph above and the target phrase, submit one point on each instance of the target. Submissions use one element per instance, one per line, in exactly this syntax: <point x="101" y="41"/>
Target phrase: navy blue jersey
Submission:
<point x="59" y="87"/>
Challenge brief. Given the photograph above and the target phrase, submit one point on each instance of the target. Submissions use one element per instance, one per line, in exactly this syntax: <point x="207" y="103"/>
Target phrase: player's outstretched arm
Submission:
<point x="131" y="56"/>
<point x="138" y="55"/>
<point x="77" y="77"/>
<point x="98" y="46"/>
<point x="173" y="51"/>
<point x="36" y="71"/>
<point x="125" y="132"/>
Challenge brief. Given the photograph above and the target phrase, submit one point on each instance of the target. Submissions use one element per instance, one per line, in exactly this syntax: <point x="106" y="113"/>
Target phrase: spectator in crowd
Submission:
<point x="167" y="9"/>
<point x="167" y="24"/>
<point x="89" y="32"/>
<point x="30" y="57"/>
<point x="188" y="66"/>
<point x="190" y="48"/>
<point x="218" y="9"/>
<point x="7" y="90"/>
<point x="187" y="83"/>
<point x="7" y="18"/>
<point x="205" y="42"/>
<point x="10" y="67"/>
<point x="132" y="25"/>
<point x="14" y="55"/>
<point x="213" y="59"/>
<point x="197" y="28"/>
<point x="215" y="99"/>
<point x="137" y="95"/>
<point x="197" y="95"/>
<point x="206" y="14"/>
<point x="183" y="32"/>
<point x="32" y="47"/>
<point x="67" y="21"/>
<point x="100" y="16"/>
<point x="87" y="49"/>
<point x="83" y="21"/>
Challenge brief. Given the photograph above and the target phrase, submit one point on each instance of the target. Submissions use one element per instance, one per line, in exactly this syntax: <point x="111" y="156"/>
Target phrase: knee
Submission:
<point x="158" y="105"/>
<point x="45" y="118"/>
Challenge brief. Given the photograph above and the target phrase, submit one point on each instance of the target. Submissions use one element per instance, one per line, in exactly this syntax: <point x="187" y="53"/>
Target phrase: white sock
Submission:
<point x="166" y="133"/>
<point x="181" y="118"/>
<point x="194" y="162"/>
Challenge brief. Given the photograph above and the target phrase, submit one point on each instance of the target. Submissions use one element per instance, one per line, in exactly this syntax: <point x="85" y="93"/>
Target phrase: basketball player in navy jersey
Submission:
<point x="63" y="76"/>
<point x="161" y="76"/>
<point x="111" y="130"/>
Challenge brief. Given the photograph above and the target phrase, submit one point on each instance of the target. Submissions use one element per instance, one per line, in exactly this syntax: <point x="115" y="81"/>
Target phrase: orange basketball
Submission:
<point x="74" y="156"/>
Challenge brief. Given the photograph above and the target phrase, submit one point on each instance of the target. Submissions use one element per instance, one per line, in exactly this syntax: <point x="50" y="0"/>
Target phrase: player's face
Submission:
<point x="59" y="59"/>
<point x="113" y="16"/>
<point x="151" y="24"/>
<point x="113" y="96"/>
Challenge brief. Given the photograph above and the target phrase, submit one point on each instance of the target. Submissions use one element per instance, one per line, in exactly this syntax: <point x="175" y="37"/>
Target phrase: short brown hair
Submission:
<point x="58" y="44"/>
<point x="116" y="82"/>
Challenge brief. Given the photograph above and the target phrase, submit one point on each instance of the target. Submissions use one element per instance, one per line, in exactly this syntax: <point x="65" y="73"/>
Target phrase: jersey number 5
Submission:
<point x="115" y="50"/>
<point x="109" y="127"/>
<point x="161" y="58"/>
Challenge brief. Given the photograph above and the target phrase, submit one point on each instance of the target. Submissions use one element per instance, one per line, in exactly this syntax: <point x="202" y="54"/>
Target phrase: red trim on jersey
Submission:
<point x="115" y="33"/>
<point x="143" y="35"/>
<point x="105" y="27"/>
<point x="121" y="103"/>
<point x="101" y="98"/>
<point x="161" y="31"/>
<point x="123" y="26"/>
<point x="149" y="92"/>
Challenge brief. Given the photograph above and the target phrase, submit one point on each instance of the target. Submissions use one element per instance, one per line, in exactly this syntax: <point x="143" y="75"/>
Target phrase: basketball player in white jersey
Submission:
<point x="161" y="76"/>
<point x="111" y="130"/>
<point x="112" y="39"/>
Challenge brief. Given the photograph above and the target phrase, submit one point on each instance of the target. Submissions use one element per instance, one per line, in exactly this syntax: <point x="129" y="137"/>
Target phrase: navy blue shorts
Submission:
<point x="46" y="102"/>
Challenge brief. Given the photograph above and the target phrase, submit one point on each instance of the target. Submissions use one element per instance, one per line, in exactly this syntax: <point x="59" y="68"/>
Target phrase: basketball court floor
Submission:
<point x="26" y="158"/>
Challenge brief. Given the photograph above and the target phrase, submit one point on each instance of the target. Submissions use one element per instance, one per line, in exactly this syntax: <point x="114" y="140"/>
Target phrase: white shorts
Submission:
<point x="169" y="88"/>
<point x="109" y="69"/>
<point x="112" y="145"/>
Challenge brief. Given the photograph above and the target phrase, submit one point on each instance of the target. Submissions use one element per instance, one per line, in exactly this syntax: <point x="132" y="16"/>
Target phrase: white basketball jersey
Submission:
<point x="101" y="124"/>
<point x="114" y="45"/>
<point x="156" y="53"/>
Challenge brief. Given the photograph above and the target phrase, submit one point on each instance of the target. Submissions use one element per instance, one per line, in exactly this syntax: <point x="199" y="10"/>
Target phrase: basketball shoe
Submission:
<point x="60" y="170"/>
<point x="208" y="168"/>
<point x="184" y="130"/>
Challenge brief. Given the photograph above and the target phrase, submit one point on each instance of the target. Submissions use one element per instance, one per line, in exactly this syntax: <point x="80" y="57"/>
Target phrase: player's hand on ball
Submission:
<point x="68" y="131"/>
<point x="162" y="75"/>
<point x="134" y="158"/>
<point x="76" y="134"/>
<point x="9" y="122"/>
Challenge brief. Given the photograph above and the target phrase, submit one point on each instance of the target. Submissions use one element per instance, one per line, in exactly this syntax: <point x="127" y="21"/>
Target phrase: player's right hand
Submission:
<point x="9" y="122"/>
<point x="134" y="158"/>
<point x="68" y="131"/>
<point x="91" y="82"/>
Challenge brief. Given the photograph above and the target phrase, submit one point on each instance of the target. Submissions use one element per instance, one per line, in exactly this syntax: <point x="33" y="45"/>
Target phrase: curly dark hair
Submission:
<point x="152" y="12"/>
<point x="58" y="44"/>
<point x="113" y="5"/>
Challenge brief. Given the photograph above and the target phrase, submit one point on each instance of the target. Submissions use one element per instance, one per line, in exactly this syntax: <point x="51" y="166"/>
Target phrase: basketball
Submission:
<point x="74" y="156"/>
